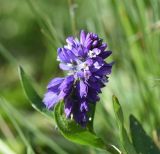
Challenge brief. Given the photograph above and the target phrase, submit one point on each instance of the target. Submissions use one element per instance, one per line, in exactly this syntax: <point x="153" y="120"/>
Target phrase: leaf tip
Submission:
<point x="115" y="100"/>
<point x="114" y="97"/>
<point x="117" y="108"/>
<point x="20" y="70"/>
<point x="131" y="117"/>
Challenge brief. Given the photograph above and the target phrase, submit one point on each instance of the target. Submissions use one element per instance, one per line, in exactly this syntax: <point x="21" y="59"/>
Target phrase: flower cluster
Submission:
<point x="83" y="60"/>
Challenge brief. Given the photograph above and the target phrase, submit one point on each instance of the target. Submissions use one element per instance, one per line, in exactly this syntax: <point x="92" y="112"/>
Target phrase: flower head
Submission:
<point x="87" y="72"/>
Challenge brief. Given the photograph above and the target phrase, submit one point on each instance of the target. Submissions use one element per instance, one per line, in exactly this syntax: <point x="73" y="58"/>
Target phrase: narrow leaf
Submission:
<point x="118" y="110"/>
<point x="124" y="136"/>
<point x="17" y="127"/>
<point x="31" y="94"/>
<point x="142" y="142"/>
<point x="128" y="146"/>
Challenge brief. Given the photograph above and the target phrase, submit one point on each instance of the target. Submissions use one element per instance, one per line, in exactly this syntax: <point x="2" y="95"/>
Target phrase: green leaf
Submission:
<point x="73" y="131"/>
<point x="124" y="136"/>
<point x="142" y="142"/>
<point x="128" y="146"/>
<point x="31" y="94"/>
<point x="118" y="110"/>
<point x="76" y="133"/>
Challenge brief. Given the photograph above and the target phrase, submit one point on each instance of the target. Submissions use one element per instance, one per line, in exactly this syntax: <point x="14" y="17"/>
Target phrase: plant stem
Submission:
<point x="72" y="6"/>
<point x="113" y="149"/>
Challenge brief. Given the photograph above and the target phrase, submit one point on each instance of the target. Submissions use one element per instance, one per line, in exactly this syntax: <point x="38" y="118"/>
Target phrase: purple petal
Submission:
<point x="81" y="118"/>
<point x="68" y="107"/>
<point x="55" y="82"/>
<point x="96" y="51"/>
<point x="93" y="96"/>
<point x="95" y="43"/>
<point x="83" y="106"/>
<point x="62" y="55"/>
<point x="84" y="60"/>
<point x="66" y="87"/>
<point x="104" y="70"/>
<point x="87" y="74"/>
<point x="70" y="55"/>
<point x="96" y="86"/>
<point x="79" y="74"/>
<point x="94" y="36"/>
<point x="103" y="46"/>
<point x="105" y="54"/>
<point x="82" y="36"/>
<point x="81" y="51"/>
<point x="88" y="43"/>
<point x="70" y="40"/>
<point x="65" y="67"/>
<point x="83" y="89"/>
<point x="50" y="99"/>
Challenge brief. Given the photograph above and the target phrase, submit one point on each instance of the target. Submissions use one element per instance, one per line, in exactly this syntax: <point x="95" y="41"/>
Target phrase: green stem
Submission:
<point x="113" y="149"/>
<point x="7" y="55"/>
<point x="72" y="7"/>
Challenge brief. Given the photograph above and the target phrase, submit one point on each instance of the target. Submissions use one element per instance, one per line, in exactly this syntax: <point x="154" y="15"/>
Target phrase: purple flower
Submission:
<point x="87" y="73"/>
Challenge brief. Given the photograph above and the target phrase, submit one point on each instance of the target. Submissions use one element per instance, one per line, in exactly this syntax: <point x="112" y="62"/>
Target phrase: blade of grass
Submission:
<point x="17" y="127"/>
<point x="72" y="7"/>
<point x="5" y="128"/>
<point x="5" y="149"/>
<point x="32" y="95"/>
<point x="7" y="55"/>
<point x="45" y="23"/>
<point x="124" y="136"/>
<point x="31" y="127"/>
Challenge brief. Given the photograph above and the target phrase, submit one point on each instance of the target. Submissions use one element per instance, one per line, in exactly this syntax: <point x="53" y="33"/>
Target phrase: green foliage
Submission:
<point x="7" y="54"/>
<point x="5" y="149"/>
<point x="123" y="133"/>
<point x="141" y="141"/>
<point x="29" y="126"/>
<point x="118" y="110"/>
<point x="73" y="131"/>
<point x="31" y="94"/>
<point x="31" y="31"/>
<point x="19" y="130"/>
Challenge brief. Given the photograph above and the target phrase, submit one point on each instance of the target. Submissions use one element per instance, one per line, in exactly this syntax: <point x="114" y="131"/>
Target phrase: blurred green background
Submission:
<point x="31" y="31"/>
